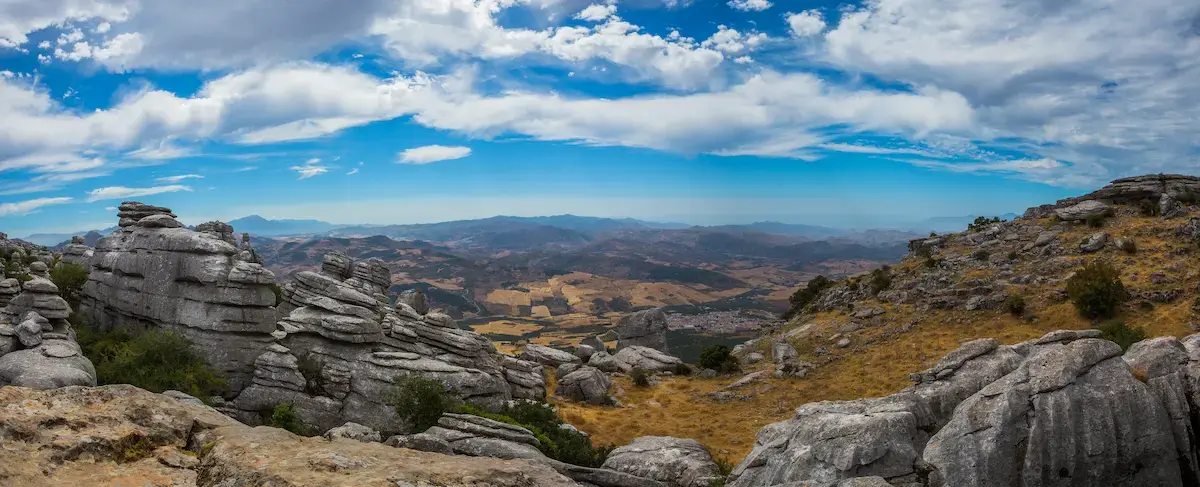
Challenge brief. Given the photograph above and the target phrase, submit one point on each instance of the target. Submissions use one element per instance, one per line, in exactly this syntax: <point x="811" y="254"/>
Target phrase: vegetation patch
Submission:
<point x="1097" y="290"/>
<point x="283" y="416"/>
<point x="719" y="358"/>
<point x="556" y="441"/>
<point x="153" y="360"/>
<point x="1122" y="334"/>
<point x="805" y="296"/>
<point x="419" y="401"/>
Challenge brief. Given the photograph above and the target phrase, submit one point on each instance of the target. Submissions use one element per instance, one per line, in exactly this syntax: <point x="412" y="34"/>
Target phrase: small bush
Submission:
<point x="278" y="293"/>
<point x="1012" y="255"/>
<point x="640" y="378"/>
<point x="1096" y="221"/>
<point x="154" y="360"/>
<point x="931" y="263"/>
<point x="881" y="279"/>
<point x="310" y="367"/>
<point x="419" y="401"/>
<point x="284" y="417"/>
<point x="1124" y="335"/>
<point x="981" y="223"/>
<point x="719" y="358"/>
<point x="803" y="297"/>
<point x="1097" y="290"/>
<point x="1149" y="208"/>
<point x="725" y="467"/>
<point x="70" y="279"/>
<point x="1015" y="304"/>
<point x="682" y="370"/>
<point x="543" y="421"/>
<point x="981" y="255"/>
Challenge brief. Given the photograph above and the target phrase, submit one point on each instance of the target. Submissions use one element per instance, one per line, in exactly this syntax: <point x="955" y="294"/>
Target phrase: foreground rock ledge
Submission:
<point x="122" y="435"/>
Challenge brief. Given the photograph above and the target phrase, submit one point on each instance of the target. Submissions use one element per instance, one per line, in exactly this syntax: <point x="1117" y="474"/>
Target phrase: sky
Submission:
<point x="701" y="111"/>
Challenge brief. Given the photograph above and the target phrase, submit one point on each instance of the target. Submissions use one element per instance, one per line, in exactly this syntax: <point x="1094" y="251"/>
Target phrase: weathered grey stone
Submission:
<point x="439" y="319"/>
<point x="415" y="299"/>
<point x="676" y="462"/>
<point x="1094" y="243"/>
<point x="420" y="442"/>
<point x="587" y="384"/>
<point x="646" y="328"/>
<point x="782" y="351"/>
<point x="584" y="352"/>
<point x="752" y="358"/>
<point x="184" y="397"/>
<point x="604" y="362"/>
<point x="353" y="431"/>
<point x="565" y="369"/>
<point x="645" y="358"/>
<point x="39" y="370"/>
<point x="1082" y="211"/>
<point x="481" y="437"/>
<point x="544" y="355"/>
<point x="525" y="378"/>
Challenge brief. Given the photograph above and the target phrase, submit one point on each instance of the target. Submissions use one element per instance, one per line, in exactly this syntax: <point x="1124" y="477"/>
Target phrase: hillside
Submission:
<point x="950" y="289"/>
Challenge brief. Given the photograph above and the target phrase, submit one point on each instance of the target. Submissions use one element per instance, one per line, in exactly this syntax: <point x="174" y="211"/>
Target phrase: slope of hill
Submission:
<point x="953" y="288"/>
<point x="257" y="225"/>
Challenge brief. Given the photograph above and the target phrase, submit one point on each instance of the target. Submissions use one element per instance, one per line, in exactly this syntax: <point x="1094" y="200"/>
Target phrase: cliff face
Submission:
<point x="122" y="435"/>
<point x="152" y="272"/>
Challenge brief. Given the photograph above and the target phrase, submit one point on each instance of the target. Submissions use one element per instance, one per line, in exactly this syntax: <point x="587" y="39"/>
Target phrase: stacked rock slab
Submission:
<point x="646" y="328"/>
<point x="77" y="252"/>
<point x="677" y="462"/>
<point x="340" y="345"/>
<point x="153" y="273"/>
<point x="37" y="344"/>
<point x="1065" y="409"/>
<point x="1149" y="188"/>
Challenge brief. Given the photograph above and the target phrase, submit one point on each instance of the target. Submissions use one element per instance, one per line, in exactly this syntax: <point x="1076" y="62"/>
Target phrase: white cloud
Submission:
<point x="176" y="179"/>
<point x="596" y="12"/>
<point x="102" y="28"/>
<point x="119" y="192"/>
<point x="310" y="168"/>
<point x="805" y="24"/>
<point x="750" y="5"/>
<point x="732" y="42"/>
<point x="352" y="172"/>
<point x="44" y="45"/>
<point x="24" y="207"/>
<point x="432" y="153"/>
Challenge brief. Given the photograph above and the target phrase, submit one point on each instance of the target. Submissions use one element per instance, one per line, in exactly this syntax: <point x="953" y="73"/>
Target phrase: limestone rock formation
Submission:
<point x="646" y="328"/>
<point x="77" y="252"/>
<point x="354" y="431"/>
<point x="421" y="442"/>
<point x="645" y="358"/>
<point x="1094" y="243"/>
<point x="340" y="346"/>
<point x="122" y="435"/>
<point x="1064" y="409"/>
<point x="587" y="384"/>
<point x="153" y="273"/>
<point x="482" y="437"/>
<point x="37" y="344"/>
<point x="415" y="299"/>
<point x="1082" y="211"/>
<point x="676" y="462"/>
<point x="551" y="357"/>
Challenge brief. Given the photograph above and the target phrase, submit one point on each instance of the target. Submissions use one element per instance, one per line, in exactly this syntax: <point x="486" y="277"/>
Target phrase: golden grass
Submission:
<point x="505" y="327"/>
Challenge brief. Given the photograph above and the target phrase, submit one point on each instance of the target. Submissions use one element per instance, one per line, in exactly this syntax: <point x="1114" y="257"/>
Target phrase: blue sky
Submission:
<point x="400" y="111"/>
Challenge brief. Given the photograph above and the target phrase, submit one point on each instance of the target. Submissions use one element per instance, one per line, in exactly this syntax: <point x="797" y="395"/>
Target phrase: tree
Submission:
<point x="1097" y="290"/>
<point x="69" y="278"/>
<point x="419" y="400"/>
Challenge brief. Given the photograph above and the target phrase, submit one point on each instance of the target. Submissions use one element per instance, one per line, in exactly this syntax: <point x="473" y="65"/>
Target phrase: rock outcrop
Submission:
<point x="1065" y="409"/>
<point x="677" y="462"/>
<point x="153" y="273"/>
<point x="37" y="344"/>
<point x="646" y="328"/>
<point x="550" y="357"/>
<point x="587" y="384"/>
<point x="122" y="435"/>
<point x="77" y="252"/>
<point x="1082" y="211"/>
<point x="645" y="358"/>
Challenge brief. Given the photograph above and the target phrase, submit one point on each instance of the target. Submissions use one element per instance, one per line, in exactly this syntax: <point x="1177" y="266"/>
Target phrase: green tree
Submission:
<point x="1097" y="290"/>
<point x="69" y="278"/>
<point x="419" y="400"/>
<point x="1124" y="335"/>
<point x="153" y="360"/>
<point x="803" y="297"/>
<point x="719" y="358"/>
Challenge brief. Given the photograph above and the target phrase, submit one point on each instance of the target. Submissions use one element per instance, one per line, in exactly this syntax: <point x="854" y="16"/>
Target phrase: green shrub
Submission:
<point x="881" y="279"/>
<point x="803" y="297"/>
<point x="682" y="370"/>
<point x="981" y="223"/>
<point x="981" y="255"/>
<point x="70" y="279"/>
<point x="1012" y="255"/>
<point x="1096" y="221"/>
<point x="543" y="421"/>
<point x="1124" y="335"/>
<point x="14" y="270"/>
<point x="1097" y="290"/>
<point x="1128" y="246"/>
<point x="719" y="358"/>
<point x="1149" y="208"/>
<point x="310" y="367"/>
<point x="1015" y="304"/>
<point x="284" y="417"/>
<point x="725" y="467"/>
<point x="419" y="401"/>
<point x="640" y="378"/>
<point x="154" y="360"/>
<point x="278" y="293"/>
<point x="931" y="263"/>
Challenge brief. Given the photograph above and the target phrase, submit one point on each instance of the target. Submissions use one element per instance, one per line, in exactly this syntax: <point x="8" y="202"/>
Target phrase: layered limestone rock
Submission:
<point x="645" y="358"/>
<point x="1065" y="409"/>
<point x="77" y="252"/>
<point x="1165" y="190"/>
<point x="677" y="462"/>
<point x="37" y="344"/>
<point x="122" y="435"/>
<point x="646" y="328"/>
<point x="340" y="345"/>
<point x="153" y="273"/>
<point x="585" y="384"/>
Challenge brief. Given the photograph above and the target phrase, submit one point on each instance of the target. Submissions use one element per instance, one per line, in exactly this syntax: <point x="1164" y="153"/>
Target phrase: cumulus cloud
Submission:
<point x="732" y="42"/>
<point x="176" y="179"/>
<point x="596" y="12"/>
<point x="119" y="192"/>
<point x="310" y="168"/>
<point x="432" y="153"/>
<point x="806" y="23"/>
<point x="750" y="5"/>
<point x="24" y="207"/>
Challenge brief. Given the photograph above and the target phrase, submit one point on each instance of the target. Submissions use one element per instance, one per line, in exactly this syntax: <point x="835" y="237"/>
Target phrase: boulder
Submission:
<point x="1094" y="243"/>
<point x="584" y="352"/>
<point x="587" y="384"/>
<point x="782" y="351"/>
<point x="595" y="342"/>
<point x="551" y="357"/>
<point x="646" y="328"/>
<point x="353" y="431"/>
<point x="565" y="369"/>
<point x="645" y="358"/>
<point x="605" y="362"/>
<point x="420" y="442"/>
<point x="415" y="299"/>
<point x="482" y="437"/>
<point x="676" y="462"/>
<point x="525" y="378"/>
<point x="1082" y="211"/>
<point x="52" y="364"/>
<point x="752" y="358"/>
